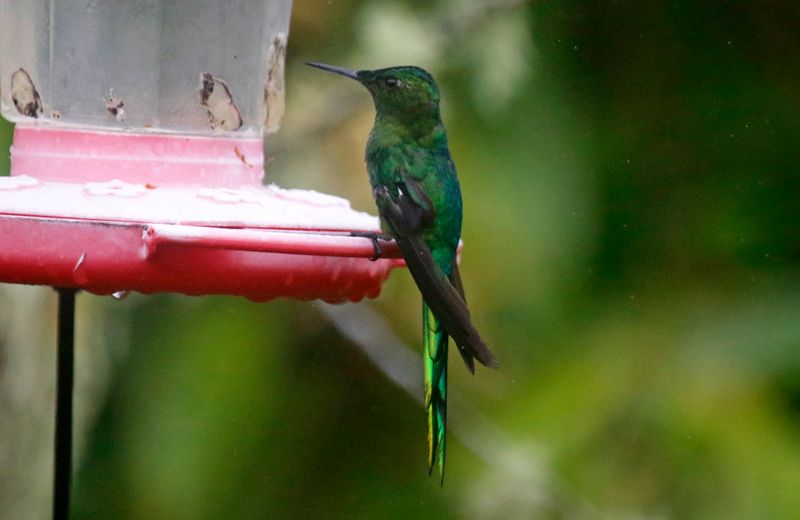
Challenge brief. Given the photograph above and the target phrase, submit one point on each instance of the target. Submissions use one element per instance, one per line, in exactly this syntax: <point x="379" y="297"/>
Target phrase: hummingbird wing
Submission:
<point x="407" y="218"/>
<point x="455" y="280"/>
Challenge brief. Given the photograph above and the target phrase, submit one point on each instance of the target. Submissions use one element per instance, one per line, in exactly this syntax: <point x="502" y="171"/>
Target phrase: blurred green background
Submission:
<point x="632" y="252"/>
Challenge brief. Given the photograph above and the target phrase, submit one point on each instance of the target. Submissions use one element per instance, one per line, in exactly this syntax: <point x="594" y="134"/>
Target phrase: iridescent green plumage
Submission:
<point x="434" y="361"/>
<point x="418" y="196"/>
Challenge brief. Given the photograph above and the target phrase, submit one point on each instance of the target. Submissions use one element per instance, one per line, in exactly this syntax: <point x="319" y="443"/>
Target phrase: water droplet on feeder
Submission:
<point x="120" y="295"/>
<point x="79" y="274"/>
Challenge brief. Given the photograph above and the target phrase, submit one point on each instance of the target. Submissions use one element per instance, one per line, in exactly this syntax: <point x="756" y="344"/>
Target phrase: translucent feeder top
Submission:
<point x="212" y="67"/>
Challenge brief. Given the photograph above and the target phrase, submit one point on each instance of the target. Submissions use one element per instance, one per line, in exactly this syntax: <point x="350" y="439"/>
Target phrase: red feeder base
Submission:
<point x="167" y="233"/>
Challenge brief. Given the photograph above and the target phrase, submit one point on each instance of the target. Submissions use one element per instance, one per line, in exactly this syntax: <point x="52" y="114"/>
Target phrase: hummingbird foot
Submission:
<point x="377" y="251"/>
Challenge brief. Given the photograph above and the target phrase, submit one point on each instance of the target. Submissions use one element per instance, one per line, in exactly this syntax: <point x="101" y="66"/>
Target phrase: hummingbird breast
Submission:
<point x="394" y="164"/>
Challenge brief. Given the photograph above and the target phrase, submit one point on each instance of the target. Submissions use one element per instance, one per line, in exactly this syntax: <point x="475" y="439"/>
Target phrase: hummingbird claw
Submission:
<point x="376" y="248"/>
<point x="377" y="251"/>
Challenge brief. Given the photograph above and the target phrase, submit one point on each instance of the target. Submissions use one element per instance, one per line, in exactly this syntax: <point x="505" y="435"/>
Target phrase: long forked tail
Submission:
<point x="434" y="354"/>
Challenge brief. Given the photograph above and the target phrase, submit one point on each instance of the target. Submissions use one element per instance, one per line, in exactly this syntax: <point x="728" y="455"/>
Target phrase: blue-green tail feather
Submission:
<point x="434" y="347"/>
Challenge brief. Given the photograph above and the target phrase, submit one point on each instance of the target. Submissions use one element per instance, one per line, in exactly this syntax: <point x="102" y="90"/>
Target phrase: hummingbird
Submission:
<point x="418" y="196"/>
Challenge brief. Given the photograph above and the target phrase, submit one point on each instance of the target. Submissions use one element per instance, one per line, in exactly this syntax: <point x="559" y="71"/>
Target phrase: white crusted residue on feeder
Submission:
<point x="228" y="195"/>
<point x="17" y="183"/>
<point x="114" y="187"/>
<point x="263" y="207"/>
<point x="312" y="197"/>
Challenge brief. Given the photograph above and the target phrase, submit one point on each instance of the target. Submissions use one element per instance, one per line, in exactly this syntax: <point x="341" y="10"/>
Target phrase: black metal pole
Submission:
<point x="65" y="376"/>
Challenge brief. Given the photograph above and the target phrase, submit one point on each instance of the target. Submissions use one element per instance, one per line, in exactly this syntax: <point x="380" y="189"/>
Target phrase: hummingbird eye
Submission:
<point x="393" y="82"/>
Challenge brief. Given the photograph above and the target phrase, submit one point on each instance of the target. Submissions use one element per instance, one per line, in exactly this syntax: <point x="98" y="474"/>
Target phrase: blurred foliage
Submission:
<point x="632" y="251"/>
<point x="5" y="142"/>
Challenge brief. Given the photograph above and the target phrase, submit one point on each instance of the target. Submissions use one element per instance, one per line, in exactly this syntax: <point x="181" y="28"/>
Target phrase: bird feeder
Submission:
<point x="137" y="161"/>
<point x="137" y="164"/>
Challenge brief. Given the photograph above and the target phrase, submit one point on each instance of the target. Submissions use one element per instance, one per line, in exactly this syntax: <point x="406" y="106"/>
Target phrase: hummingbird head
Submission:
<point x="401" y="92"/>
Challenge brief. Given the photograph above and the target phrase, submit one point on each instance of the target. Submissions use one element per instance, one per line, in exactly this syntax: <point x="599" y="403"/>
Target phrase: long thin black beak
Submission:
<point x="338" y="70"/>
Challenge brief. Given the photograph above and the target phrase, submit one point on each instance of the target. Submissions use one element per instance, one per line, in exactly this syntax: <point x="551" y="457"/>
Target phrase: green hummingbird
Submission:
<point x="416" y="189"/>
